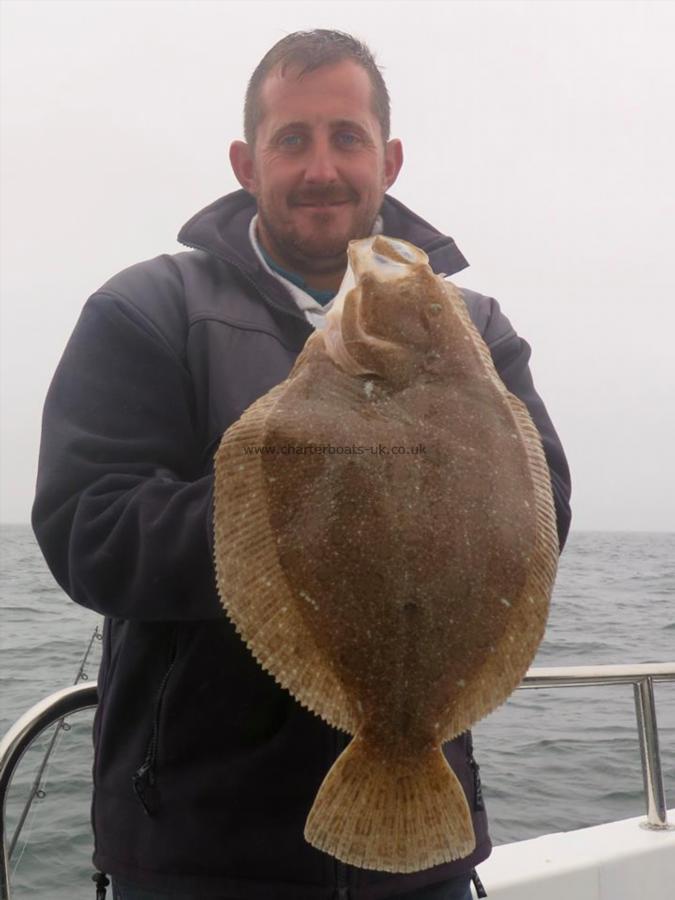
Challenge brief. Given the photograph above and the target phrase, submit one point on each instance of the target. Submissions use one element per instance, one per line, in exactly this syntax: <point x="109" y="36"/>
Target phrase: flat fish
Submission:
<point x="386" y="546"/>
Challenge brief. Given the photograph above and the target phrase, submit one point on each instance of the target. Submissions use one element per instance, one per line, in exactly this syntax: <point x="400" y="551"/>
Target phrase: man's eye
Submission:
<point x="347" y="138"/>
<point x="291" y="140"/>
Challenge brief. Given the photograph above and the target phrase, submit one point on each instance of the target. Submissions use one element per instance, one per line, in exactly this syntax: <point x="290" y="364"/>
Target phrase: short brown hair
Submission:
<point x="309" y="50"/>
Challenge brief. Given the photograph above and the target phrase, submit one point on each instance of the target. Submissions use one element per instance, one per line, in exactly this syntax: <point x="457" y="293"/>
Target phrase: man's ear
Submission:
<point x="393" y="160"/>
<point x="241" y="160"/>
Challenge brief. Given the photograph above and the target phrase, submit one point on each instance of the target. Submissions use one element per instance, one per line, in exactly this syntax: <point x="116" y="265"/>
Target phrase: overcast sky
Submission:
<point x="541" y="136"/>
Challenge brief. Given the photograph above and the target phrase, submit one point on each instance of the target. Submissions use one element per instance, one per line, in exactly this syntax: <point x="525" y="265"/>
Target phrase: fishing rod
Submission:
<point x="37" y="790"/>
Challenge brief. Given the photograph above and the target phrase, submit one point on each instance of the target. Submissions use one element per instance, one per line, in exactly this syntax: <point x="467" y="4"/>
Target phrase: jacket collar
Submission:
<point x="222" y="230"/>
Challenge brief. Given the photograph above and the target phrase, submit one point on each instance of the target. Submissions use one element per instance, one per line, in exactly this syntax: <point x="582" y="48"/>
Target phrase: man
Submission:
<point x="204" y="768"/>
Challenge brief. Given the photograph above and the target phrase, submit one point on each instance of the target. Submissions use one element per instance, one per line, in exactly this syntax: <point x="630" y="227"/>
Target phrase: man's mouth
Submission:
<point x="322" y="203"/>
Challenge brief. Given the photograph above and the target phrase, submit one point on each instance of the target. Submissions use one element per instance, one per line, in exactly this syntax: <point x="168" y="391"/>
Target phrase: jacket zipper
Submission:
<point x="478" y="802"/>
<point x="144" y="779"/>
<point x="341" y="872"/>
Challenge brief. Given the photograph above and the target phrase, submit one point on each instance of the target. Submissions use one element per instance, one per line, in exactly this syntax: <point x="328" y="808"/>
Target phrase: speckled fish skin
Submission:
<point x="417" y="581"/>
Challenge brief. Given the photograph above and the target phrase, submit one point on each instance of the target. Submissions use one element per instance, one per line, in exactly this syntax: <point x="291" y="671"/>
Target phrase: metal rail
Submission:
<point x="21" y="735"/>
<point x="642" y="677"/>
<point x="79" y="697"/>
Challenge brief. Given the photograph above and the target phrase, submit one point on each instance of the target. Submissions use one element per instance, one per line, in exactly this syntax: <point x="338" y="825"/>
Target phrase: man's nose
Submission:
<point x="321" y="167"/>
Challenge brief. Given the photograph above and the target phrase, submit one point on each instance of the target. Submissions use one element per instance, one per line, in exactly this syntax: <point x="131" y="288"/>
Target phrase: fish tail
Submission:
<point x="393" y="815"/>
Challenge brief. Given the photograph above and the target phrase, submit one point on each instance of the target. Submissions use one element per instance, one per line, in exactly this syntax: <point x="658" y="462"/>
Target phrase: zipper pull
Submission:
<point x="145" y="788"/>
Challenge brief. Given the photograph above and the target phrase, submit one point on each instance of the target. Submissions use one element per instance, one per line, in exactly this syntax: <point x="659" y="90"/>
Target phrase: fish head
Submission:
<point x="391" y="313"/>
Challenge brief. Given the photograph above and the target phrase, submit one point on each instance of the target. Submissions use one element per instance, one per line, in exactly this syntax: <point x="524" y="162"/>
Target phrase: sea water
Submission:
<point x="551" y="759"/>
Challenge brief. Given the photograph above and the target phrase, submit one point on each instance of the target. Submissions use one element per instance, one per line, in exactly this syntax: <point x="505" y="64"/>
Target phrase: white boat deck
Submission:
<point x="618" y="861"/>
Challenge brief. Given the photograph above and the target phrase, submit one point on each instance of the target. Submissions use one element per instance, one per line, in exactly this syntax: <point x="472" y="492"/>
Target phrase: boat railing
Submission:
<point x="54" y="708"/>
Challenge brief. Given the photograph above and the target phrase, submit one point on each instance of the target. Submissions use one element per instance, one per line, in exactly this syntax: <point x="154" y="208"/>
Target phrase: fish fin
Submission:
<point x="505" y="666"/>
<point x="393" y="814"/>
<point x="252" y="586"/>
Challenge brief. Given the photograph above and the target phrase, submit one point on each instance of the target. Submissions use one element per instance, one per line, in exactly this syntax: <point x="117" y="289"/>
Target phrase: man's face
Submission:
<point x="319" y="169"/>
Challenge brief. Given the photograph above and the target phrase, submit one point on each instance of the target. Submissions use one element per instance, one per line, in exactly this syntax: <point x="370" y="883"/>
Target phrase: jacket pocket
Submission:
<point x="144" y="779"/>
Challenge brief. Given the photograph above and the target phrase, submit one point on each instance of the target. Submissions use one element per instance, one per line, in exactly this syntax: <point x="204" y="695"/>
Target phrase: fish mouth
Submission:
<point x="384" y="258"/>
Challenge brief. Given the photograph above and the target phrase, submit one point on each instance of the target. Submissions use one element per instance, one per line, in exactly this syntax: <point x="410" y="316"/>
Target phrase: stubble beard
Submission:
<point x="317" y="254"/>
